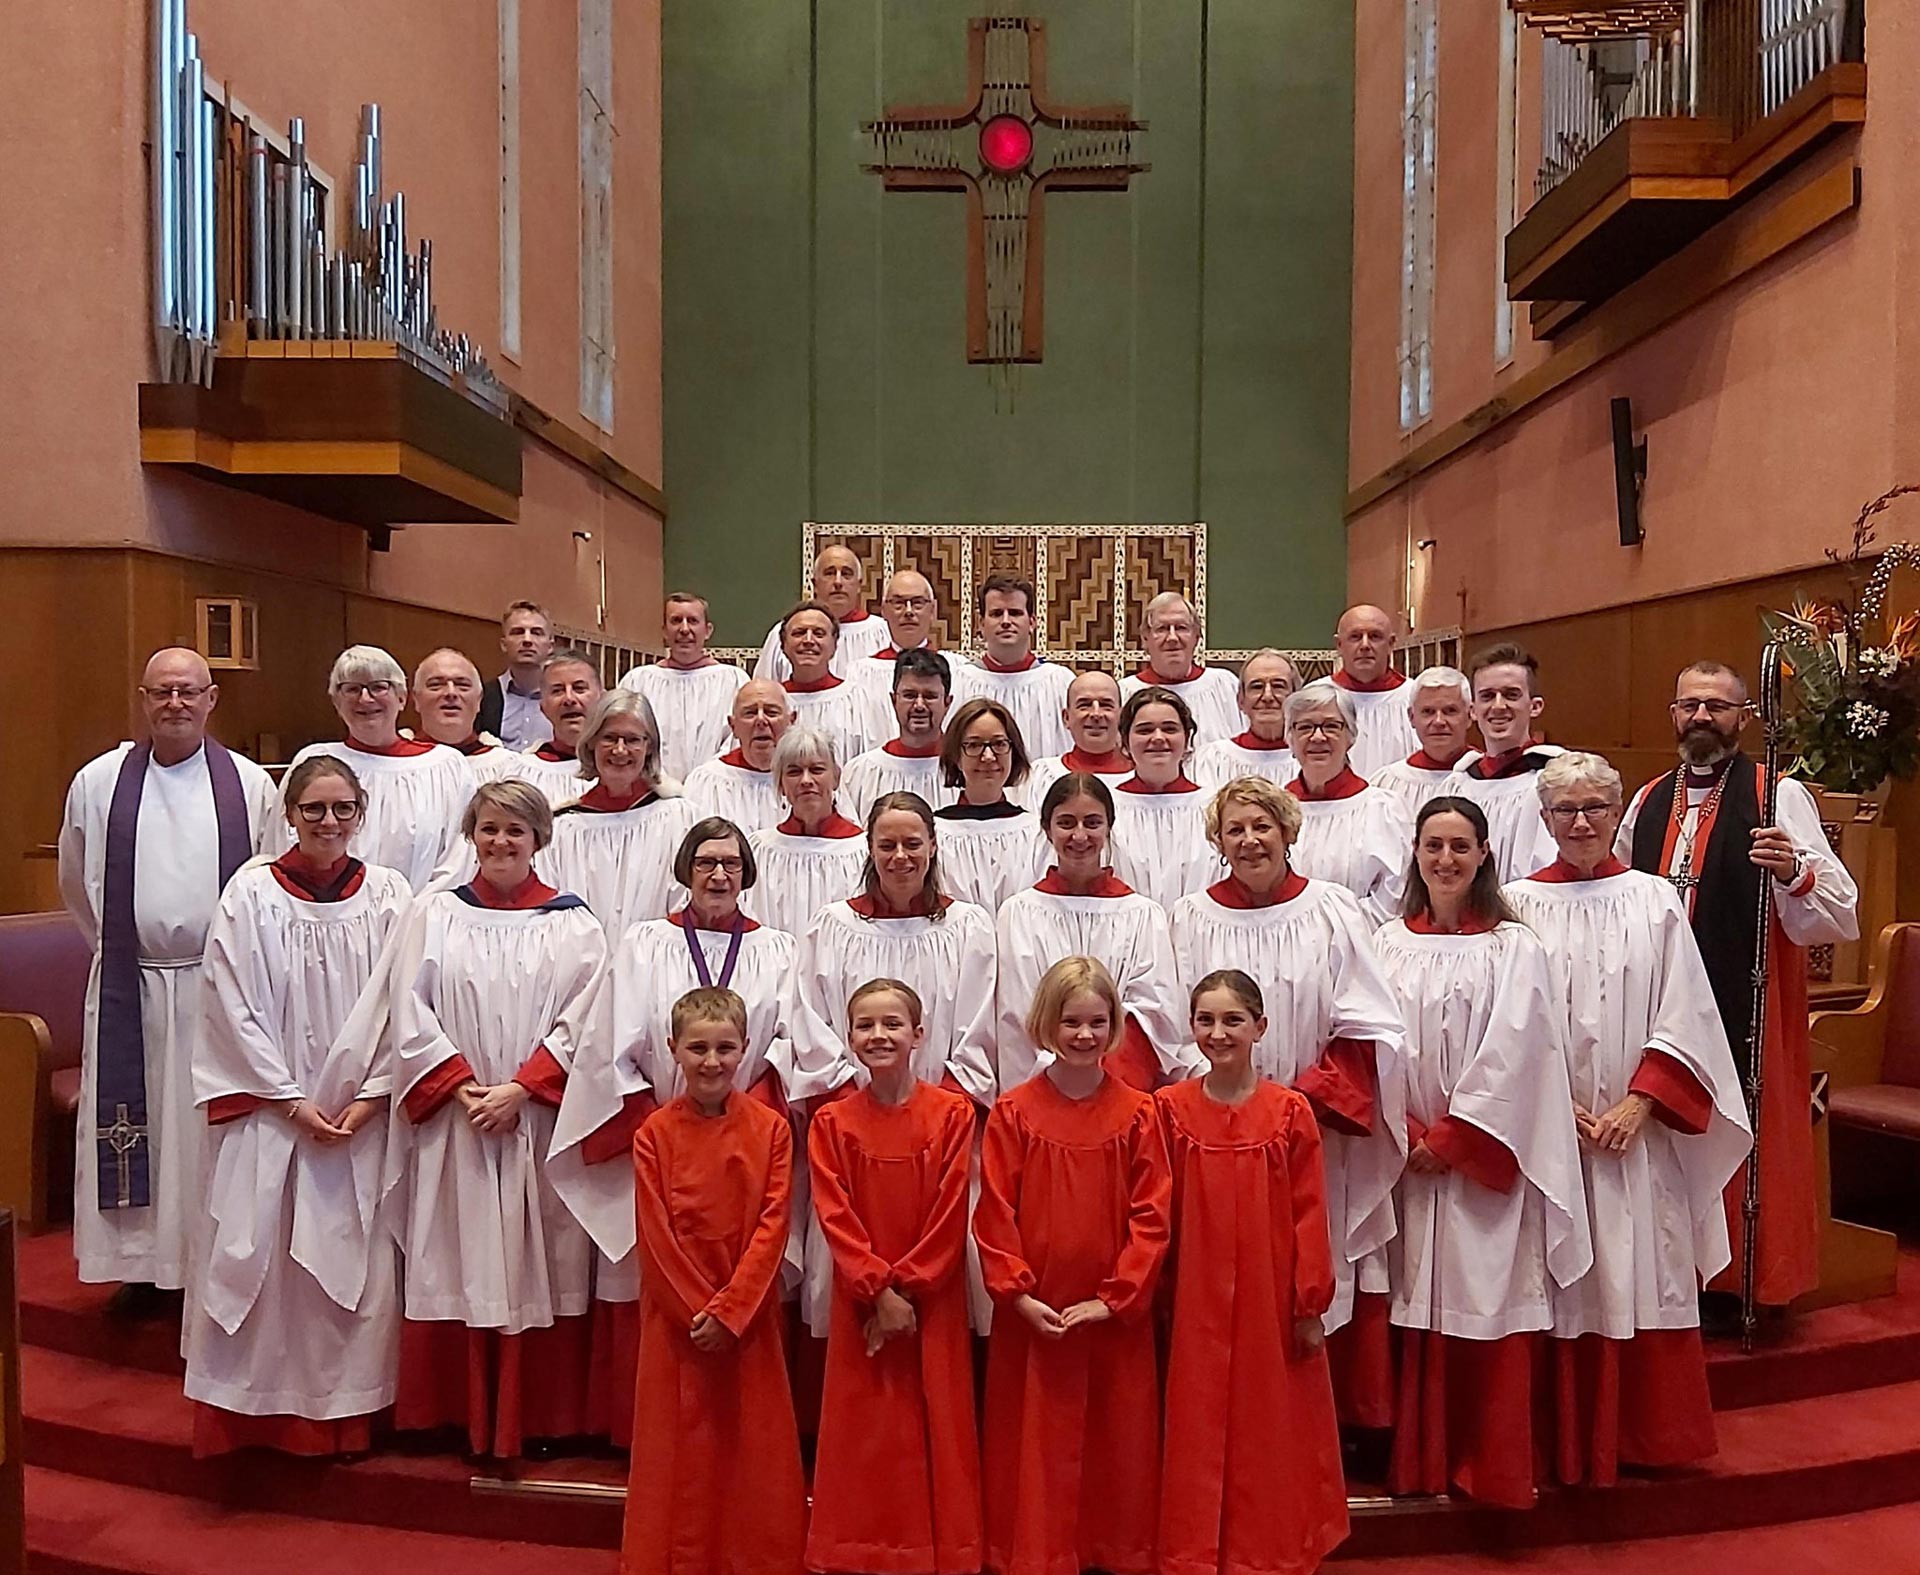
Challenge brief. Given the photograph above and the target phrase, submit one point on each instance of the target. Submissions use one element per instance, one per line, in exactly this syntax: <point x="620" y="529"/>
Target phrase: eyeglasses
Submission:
<point x="378" y="689"/>
<point x="346" y="814"/>
<point x="1567" y="814"/>
<point x="910" y="603"/>
<point x="706" y="864"/>
<point x="168" y="693"/>
<point x="1714" y="708"/>
<point x="980" y="748"/>
<point x="1319" y="729"/>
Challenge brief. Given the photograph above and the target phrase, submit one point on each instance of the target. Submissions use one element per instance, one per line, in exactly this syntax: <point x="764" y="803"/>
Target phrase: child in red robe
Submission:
<point x="716" y="1481"/>
<point x="896" y="1480"/>
<point x="1253" y="1479"/>
<point x="1072" y="1226"/>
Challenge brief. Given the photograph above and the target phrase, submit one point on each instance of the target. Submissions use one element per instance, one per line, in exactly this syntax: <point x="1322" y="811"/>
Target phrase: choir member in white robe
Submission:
<point x="614" y="846"/>
<point x="1160" y="845"/>
<point x="1663" y="1127"/>
<point x="1092" y="721"/>
<point x="898" y="926"/>
<point x="1080" y="908"/>
<point x="625" y="1070"/>
<point x="1334" y="1034"/>
<point x="990" y="845"/>
<point x="820" y="699"/>
<point x="491" y="987"/>
<point x="1501" y="778"/>
<point x="739" y="785"/>
<point x="1383" y="727"/>
<point x="692" y="691"/>
<point x="292" y="1333"/>
<point x="909" y="610"/>
<point x="838" y="585"/>
<point x="1260" y="748"/>
<point x="816" y="855"/>
<point x="1350" y="833"/>
<point x="1033" y="690"/>
<point x="570" y="687"/>
<point x="908" y="762"/>
<point x="150" y="834"/>
<point x="1701" y="826"/>
<point x="1493" y="1214"/>
<point x="1442" y="711"/>
<point x="446" y="695"/>
<point x="1172" y="637"/>
<point x="416" y="791"/>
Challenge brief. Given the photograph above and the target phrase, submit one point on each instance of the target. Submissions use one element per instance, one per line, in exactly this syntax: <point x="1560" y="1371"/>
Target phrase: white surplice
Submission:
<point x="1160" y="845"/>
<point x="1051" y="768"/>
<point x="1034" y="695"/>
<point x="693" y="706"/>
<point x="1313" y="959"/>
<point x="1212" y="695"/>
<point x="1126" y="932"/>
<point x="1516" y="830"/>
<point x="1220" y="760"/>
<point x="295" y="1312"/>
<point x="620" y="861"/>
<point x="1411" y="784"/>
<point x="626" y="1052"/>
<point x="176" y="889"/>
<point x="800" y="875"/>
<point x="1626" y="979"/>
<point x="985" y="861"/>
<point x="846" y="714"/>
<point x="877" y="772"/>
<point x="861" y="635"/>
<point x="1363" y="842"/>
<point x="561" y="780"/>
<point x="1483" y="1047"/>
<point x="486" y="1239"/>
<point x="496" y="763"/>
<point x="1383" y="726"/>
<point x="730" y="788"/>
<point x="414" y="805"/>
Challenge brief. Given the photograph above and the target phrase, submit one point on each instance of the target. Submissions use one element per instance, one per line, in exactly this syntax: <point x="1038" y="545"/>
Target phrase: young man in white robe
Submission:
<point x="820" y="698"/>
<point x="151" y="833"/>
<point x="1091" y="718"/>
<point x="909" y="762"/>
<point x="446" y="696"/>
<point x="1033" y="690"/>
<point x="1383" y="729"/>
<point x="1442" y="711"/>
<point x="569" y="688"/>
<point x="417" y="790"/>
<point x="1171" y="634"/>
<point x="1350" y="833"/>
<point x="692" y="691"/>
<point x="839" y="581"/>
<point x="739" y="785"/>
<point x="910" y="612"/>
<point x="1663" y="1128"/>
<point x="1500" y="779"/>
<point x="815" y="855"/>
<point x="1160" y="845"/>
<point x="1260" y="748"/>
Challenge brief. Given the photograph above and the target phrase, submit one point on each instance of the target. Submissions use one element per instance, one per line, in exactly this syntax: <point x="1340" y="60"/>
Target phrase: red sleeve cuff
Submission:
<point x="1474" y="1152"/>
<point x="614" y="1138"/>
<point x="1342" y="1086"/>
<point x="544" y="1078"/>
<point x="436" y="1088"/>
<point x="1679" y="1098"/>
<point x="1805" y="883"/>
<point x="231" y="1107"/>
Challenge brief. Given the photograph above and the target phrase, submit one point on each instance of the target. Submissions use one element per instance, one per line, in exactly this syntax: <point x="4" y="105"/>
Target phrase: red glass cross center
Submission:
<point x="1006" y="144"/>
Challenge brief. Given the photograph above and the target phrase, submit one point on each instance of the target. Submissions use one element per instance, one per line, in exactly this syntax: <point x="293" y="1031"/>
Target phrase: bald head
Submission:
<point x="761" y="714"/>
<point x="908" y="606"/>
<point x="446" y="694"/>
<point x="836" y="580"/>
<point x="177" y="695"/>
<point x="1364" y="639"/>
<point x="1092" y="713"/>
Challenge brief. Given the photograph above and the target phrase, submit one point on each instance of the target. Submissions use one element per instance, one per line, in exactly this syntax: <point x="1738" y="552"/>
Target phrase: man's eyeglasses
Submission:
<point x="167" y="693"/>
<point x="378" y="689"/>
<point x="346" y="814"/>
<point x="707" y="864"/>
<point x="1714" y="708"/>
<point x="1567" y="814"/>
<point x="910" y="603"/>
<point x="980" y="748"/>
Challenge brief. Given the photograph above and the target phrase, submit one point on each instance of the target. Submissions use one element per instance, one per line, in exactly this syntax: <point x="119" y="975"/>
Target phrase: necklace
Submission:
<point x="1682" y="874"/>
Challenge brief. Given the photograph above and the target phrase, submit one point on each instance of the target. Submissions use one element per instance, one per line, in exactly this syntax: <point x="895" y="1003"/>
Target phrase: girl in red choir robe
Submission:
<point x="896" y="1479"/>
<point x="1072" y="1226"/>
<point x="716" y="1483"/>
<point x="1252" y="1484"/>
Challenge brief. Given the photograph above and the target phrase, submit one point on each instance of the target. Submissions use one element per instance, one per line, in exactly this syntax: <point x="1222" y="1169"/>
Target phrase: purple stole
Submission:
<point x="120" y="1087"/>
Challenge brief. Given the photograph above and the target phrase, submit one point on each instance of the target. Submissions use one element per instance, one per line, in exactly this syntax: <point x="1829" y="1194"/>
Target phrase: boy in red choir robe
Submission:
<point x="896" y="1479"/>
<point x="1072" y="1226"/>
<point x="1252" y="1484"/>
<point x="716" y="1483"/>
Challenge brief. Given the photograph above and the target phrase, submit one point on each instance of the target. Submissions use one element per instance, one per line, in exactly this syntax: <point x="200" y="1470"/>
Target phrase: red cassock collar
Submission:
<point x="679" y="917"/>
<point x="1422" y="924"/>
<point x="859" y="615"/>
<point x="738" y="758"/>
<point x="835" y="825"/>
<point x="474" y="744"/>
<point x="793" y="686"/>
<point x="1490" y="768"/>
<point x="867" y="908"/>
<point x="549" y="751"/>
<point x="1345" y="785"/>
<point x="900" y="751"/>
<point x="532" y="892"/>
<point x="1029" y="660"/>
<point x="1231" y="893"/>
<point x="1392" y="678"/>
<point x="602" y="801"/>
<point x="1255" y="744"/>
<point x="1147" y="675"/>
<point x="399" y="749"/>
<point x="1111" y="764"/>
<point x="335" y="882"/>
<point x="1108" y="885"/>
<point x="1561" y="873"/>
<point x="1179" y="784"/>
<point x="1420" y="760"/>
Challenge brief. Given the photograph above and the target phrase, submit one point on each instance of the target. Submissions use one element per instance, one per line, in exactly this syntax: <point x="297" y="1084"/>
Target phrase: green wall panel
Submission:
<point x="1196" y="325"/>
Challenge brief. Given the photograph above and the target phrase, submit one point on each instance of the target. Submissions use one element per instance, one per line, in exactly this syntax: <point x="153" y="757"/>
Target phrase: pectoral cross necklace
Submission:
<point x="1682" y="873"/>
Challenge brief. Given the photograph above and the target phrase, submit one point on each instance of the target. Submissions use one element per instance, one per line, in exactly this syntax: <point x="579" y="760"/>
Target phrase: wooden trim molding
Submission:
<point x="583" y="450"/>
<point x="1743" y="241"/>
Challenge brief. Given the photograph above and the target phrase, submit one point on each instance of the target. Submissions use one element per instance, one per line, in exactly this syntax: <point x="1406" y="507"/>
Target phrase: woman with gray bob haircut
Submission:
<point x="815" y="855"/>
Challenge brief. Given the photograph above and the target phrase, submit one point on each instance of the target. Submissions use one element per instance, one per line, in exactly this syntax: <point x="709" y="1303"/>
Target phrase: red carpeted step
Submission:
<point x="61" y="1314"/>
<point x="83" y="1526"/>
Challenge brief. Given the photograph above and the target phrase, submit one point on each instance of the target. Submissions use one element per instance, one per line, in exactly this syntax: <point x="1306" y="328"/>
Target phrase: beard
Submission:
<point x="1703" y="745"/>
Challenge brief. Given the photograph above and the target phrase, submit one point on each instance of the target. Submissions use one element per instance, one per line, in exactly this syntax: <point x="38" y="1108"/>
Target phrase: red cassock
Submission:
<point x="716" y="1483"/>
<point x="1252" y="1484"/>
<point x="896" y="1479"/>
<point x="1074" y="1200"/>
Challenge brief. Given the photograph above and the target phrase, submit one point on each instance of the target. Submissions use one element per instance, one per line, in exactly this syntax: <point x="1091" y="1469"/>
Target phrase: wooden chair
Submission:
<point x="1873" y="1052"/>
<point x="44" y="963"/>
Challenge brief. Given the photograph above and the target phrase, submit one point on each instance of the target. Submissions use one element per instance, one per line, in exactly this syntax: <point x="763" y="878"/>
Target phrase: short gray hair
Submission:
<point x="365" y="664"/>
<point x="1268" y="651"/>
<point x="617" y="703"/>
<point x="798" y="746"/>
<point x="1577" y="768"/>
<point x="1165" y="600"/>
<point x="447" y="650"/>
<point x="1318" y="696"/>
<point x="1440" y="678"/>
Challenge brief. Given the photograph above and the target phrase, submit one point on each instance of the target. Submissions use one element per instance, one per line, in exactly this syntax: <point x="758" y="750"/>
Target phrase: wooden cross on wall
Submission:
<point x="1005" y="146"/>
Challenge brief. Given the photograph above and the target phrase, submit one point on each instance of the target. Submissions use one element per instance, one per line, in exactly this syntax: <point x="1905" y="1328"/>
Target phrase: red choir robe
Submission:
<point x="1074" y="1204"/>
<point x="716" y="1483"/>
<point x="896" y="1480"/>
<point x="1252" y="1482"/>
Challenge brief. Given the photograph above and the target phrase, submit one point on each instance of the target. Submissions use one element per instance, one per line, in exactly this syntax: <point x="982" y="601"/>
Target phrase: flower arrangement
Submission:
<point x="1852" y="672"/>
